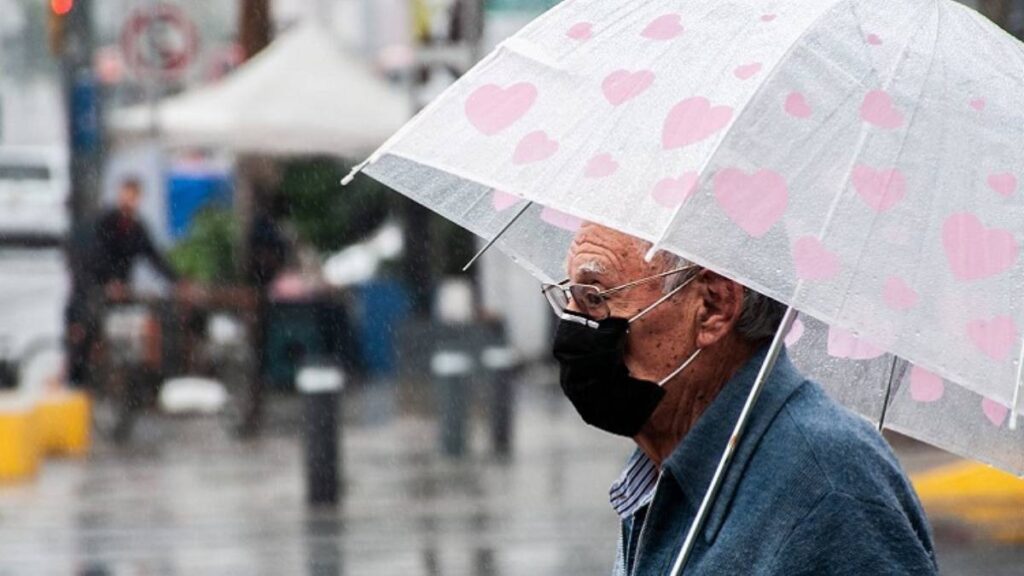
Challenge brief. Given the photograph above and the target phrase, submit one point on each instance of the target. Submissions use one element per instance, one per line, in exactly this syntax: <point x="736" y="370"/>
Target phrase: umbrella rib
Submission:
<point x="494" y="239"/>
<point x="1015" y="402"/>
<point x="888" y="392"/>
<point x="863" y="138"/>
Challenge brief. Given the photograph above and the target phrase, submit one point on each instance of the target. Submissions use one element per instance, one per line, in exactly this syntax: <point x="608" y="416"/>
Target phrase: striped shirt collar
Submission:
<point x="635" y="486"/>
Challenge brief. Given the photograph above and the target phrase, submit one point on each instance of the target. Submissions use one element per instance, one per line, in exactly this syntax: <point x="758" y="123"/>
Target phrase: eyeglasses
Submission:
<point x="594" y="302"/>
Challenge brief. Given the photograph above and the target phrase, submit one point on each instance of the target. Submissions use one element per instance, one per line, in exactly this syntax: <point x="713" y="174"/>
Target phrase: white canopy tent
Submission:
<point x="300" y="95"/>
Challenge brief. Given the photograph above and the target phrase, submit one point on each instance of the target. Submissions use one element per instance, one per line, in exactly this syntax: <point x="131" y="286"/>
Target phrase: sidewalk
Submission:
<point x="186" y="499"/>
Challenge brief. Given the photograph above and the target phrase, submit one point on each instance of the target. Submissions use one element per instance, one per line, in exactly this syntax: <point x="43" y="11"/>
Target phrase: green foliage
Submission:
<point x="325" y="214"/>
<point x="207" y="254"/>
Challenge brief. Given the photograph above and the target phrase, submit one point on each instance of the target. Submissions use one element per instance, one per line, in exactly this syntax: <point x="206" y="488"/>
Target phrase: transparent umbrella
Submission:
<point x="855" y="159"/>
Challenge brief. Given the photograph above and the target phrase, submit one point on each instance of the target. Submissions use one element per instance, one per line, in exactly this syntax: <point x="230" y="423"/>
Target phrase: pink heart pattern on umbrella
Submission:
<point x="975" y="251"/>
<point x="797" y="106"/>
<point x="978" y="104"/>
<point x="878" y="109"/>
<point x="995" y="337"/>
<point x="581" y="31"/>
<point x="501" y="200"/>
<point x="1003" y="183"/>
<point x="813" y="261"/>
<point x="534" y="147"/>
<point x="845" y="344"/>
<point x="561" y="220"/>
<point x="754" y="202"/>
<point x="747" y="71"/>
<point x="994" y="411"/>
<point x="601" y="166"/>
<point x="879" y="189"/>
<point x="925" y="386"/>
<point x="874" y="40"/>
<point x="796" y="332"/>
<point x="671" y="192"/>
<point x="665" y="27"/>
<point x="898" y="295"/>
<point x="623" y="85"/>
<point x="692" y="120"/>
<point x="491" y="108"/>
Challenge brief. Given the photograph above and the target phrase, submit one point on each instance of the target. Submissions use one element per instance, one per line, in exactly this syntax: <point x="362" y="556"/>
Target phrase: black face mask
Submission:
<point x="594" y="375"/>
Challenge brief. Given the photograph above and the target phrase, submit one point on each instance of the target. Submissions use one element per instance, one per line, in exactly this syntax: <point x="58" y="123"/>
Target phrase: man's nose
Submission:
<point x="572" y="307"/>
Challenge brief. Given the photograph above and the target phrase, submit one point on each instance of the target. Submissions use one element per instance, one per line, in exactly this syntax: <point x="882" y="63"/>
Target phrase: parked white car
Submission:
<point x="34" y="189"/>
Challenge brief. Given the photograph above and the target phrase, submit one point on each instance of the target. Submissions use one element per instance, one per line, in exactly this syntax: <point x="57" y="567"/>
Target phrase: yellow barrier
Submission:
<point x="63" y="422"/>
<point x="976" y="494"/>
<point x="19" y="447"/>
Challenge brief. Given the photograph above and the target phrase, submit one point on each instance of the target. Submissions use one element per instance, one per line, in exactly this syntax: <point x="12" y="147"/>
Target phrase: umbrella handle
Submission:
<point x="730" y="448"/>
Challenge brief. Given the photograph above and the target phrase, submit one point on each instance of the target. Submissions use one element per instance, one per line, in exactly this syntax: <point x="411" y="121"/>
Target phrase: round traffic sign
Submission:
<point x="159" y="40"/>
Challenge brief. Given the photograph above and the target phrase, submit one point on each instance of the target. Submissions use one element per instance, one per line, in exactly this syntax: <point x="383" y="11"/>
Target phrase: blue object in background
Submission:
<point x="85" y="119"/>
<point x="381" y="305"/>
<point x="190" y="192"/>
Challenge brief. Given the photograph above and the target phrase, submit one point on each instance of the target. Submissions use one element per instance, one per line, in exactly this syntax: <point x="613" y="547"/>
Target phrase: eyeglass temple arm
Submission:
<point x="648" y="279"/>
<point x="658" y="302"/>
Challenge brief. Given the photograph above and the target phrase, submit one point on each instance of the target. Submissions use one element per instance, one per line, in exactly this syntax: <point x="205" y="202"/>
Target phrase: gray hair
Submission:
<point x="760" y="317"/>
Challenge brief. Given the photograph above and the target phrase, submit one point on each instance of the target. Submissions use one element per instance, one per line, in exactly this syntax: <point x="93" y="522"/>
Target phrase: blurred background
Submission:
<point x="267" y="373"/>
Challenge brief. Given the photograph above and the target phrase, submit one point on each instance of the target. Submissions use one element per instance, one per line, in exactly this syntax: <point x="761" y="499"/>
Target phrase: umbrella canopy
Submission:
<point x="300" y="95"/>
<point x="858" y="160"/>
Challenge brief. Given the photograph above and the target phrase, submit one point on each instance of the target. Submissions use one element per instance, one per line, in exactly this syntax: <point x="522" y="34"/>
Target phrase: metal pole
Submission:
<point x="321" y="387"/>
<point x="730" y="448"/>
<point x="451" y="371"/>
<point x="83" y="113"/>
<point x="502" y="362"/>
<point x="253" y="26"/>
<point x="472" y="23"/>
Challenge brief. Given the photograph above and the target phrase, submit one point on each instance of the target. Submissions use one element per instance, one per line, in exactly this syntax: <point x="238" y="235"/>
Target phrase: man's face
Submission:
<point x="128" y="199"/>
<point x="656" y="343"/>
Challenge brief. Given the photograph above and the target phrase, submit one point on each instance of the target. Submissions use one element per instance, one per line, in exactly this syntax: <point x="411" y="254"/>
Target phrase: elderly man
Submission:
<point x="666" y="352"/>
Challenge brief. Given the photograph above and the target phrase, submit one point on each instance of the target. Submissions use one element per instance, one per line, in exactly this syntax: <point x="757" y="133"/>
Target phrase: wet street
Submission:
<point x="188" y="499"/>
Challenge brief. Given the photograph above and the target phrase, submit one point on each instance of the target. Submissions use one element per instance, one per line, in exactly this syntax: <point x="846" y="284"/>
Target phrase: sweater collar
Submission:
<point x="692" y="464"/>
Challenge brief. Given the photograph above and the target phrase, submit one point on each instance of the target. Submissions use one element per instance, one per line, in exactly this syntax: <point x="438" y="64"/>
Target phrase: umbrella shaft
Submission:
<point x="730" y="448"/>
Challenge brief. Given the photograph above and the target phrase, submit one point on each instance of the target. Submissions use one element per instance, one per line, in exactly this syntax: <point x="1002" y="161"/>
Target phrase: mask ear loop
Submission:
<point x="657" y="302"/>
<point x="682" y="367"/>
<point x="662" y="299"/>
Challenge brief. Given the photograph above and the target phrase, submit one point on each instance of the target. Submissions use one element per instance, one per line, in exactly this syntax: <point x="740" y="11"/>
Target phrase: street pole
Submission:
<point x="253" y="26"/>
<point x="472" y="16"/>
<point x="82" y="104"/>
<point x="253" y="173"/>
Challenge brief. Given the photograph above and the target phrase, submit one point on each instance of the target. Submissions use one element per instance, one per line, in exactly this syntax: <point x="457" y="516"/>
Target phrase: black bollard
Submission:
<point x="502" y="362"/>
<point x="321" y="387"/>
<point x="451" y="371"/>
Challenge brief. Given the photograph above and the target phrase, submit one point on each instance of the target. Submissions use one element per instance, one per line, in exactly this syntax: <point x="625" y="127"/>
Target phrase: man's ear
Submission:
<point x="722" y="302"/>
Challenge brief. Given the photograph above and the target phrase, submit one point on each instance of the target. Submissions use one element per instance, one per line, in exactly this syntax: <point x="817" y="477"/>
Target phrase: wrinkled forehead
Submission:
<point x="600" y="250"/>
